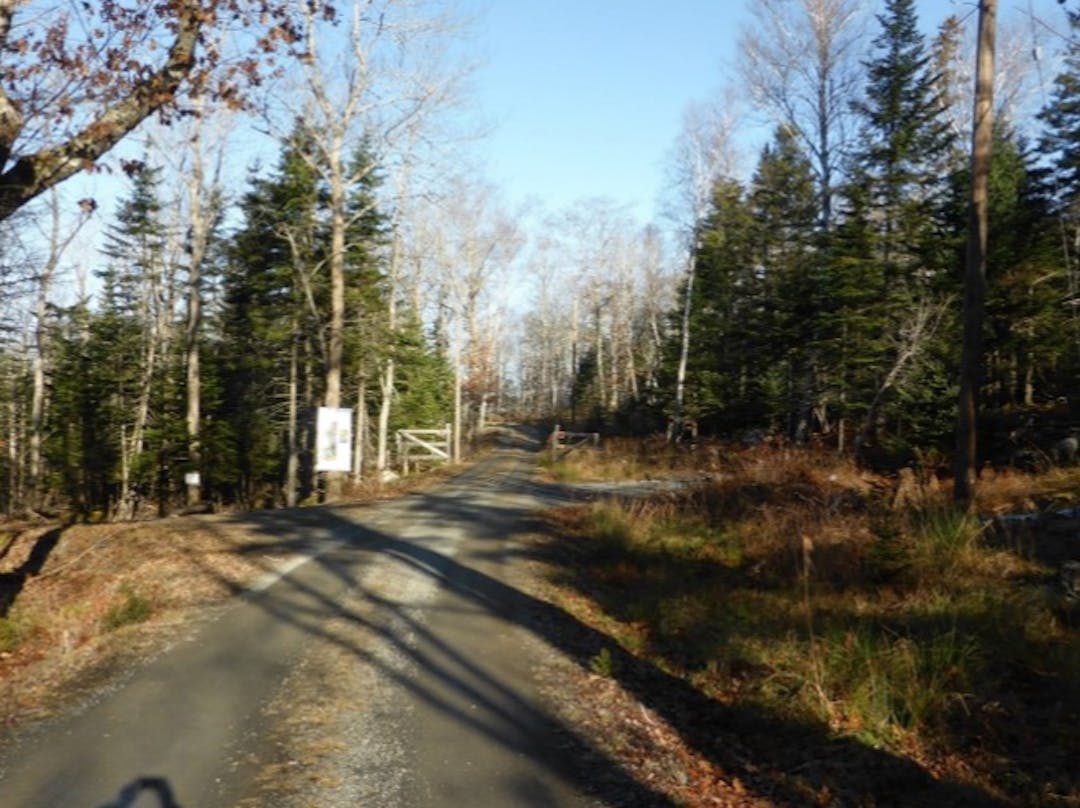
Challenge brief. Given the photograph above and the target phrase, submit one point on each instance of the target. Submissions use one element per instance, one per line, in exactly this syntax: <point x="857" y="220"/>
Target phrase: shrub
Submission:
<point x="603" y="664"/>
<point x="9" y="635"/>
<point x="134" y="608"/>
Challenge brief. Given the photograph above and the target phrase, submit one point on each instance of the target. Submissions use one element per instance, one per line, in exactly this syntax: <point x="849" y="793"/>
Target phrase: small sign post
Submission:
<point x="333" y="442"/>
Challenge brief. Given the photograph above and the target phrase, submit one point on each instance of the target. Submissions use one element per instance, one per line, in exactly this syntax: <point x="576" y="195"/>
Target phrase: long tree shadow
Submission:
<point x="495" y="709"/>
<point x="778" y="759"/>
<point x="13" y="581"/>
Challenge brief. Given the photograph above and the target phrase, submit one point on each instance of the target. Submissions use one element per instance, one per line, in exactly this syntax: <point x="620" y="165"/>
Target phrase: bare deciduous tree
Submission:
<point x="799" y="60"/>
<point x="59" y="238"/>
<point x="78" y="77"/>
<point x="195" y="152"/>
<point x="375" y="87"/>
<point x="479" y="240"/>
<point x="703" y="154"/>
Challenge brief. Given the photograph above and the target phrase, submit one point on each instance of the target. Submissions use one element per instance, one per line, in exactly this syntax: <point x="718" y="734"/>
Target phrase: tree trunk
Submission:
<point x="37" y="395"/>
<point x="14" y="441"/>
<point x="386" y="385"/>
<point x="966" y="459"/>
<point x="385" y="403"/>
<point x="132" y="446"/>
<point x="336" y="326"/>
<point x="201" y="218"/>
<point x="292" y="461"/>
<point x="457" y="410"/>
<point x="361" y="432"/>
<point x="684" y="354"/>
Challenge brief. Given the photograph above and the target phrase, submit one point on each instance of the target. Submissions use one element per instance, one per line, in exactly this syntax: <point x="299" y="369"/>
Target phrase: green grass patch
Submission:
<point x="133" y="608"/>
<point x="565" y="472"/>
<point x="814" y="602"/>
<point x="10" y="635"/>
<point x="603" y="664"/>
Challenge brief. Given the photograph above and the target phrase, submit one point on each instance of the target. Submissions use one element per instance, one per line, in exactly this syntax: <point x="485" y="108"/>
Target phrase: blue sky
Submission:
<point x="587" y="95"/>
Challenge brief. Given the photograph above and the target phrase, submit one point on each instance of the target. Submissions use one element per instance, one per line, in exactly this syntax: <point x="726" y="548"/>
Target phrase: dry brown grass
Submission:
<point x="64" y="614"/>
<point x="106" y="595"/>
<point x="816" y="592"/>
<point x="1010" y="491"/>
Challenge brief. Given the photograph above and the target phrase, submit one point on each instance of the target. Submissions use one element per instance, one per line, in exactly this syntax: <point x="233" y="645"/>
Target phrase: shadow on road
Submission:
<point x="158" y="786"/>
<point x="760" y="749"/>
<point x="12" y="583"/>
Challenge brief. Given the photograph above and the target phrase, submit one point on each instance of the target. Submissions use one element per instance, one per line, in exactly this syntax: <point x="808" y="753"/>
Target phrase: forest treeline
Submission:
<point x="824" y="296"/>
<point x="817" y="299"/>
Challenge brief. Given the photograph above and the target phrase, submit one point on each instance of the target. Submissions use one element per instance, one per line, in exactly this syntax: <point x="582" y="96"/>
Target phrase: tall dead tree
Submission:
<point x="388" y="76"/>
<point x="966" y="459"/>
<point x="799" y="62"/>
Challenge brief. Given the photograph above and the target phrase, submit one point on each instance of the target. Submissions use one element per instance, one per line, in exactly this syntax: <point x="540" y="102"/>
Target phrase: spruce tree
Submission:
<point x="136" y="321"/>
<point x="1061" y="129"/>
<point x="899" y="246"/>
<point x="784" y="207"/>
<point x="270" y="334"/>
<point x="723" y="374"/>
<point x="1059" y="147"/>
<point x="906" y="151"/>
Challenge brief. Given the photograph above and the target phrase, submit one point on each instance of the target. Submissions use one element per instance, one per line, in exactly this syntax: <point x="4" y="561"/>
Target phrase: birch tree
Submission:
<point x="386" y="75"/>
<point x="472" y="255"/>
<point x="703" y="154"/>
<point x="59" y="237"/>
<point x="799" y="60"/>
<point x="1017" y="51"/>
<point x="195" y="152"/>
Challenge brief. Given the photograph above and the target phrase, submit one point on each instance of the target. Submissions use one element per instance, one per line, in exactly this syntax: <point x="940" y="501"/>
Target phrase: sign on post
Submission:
<point x="333" y="439"/>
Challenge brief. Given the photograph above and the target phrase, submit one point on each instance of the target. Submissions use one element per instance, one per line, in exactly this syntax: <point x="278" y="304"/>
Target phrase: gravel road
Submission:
<point x="394" y="663"/>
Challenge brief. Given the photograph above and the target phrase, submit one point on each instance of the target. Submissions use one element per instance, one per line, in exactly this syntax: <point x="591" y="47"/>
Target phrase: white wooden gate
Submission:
<point x="423" y="445"/>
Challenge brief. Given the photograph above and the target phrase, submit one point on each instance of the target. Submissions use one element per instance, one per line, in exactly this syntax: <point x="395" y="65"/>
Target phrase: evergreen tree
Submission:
<point x="1029" y="329"/>
<point x="1061" y="129"/>
<point x="723" y="389"/>
<point x="907" y="152"/>
<point x="268" y="328"/>
<point x="274" y="320"/>
<point x="784" y="208"/>
<point x="424" y="383"/>
<point x="82" y="437"/>
<point x="1060" y="150"/>
<point x="136" y="321"/>
<point x="896" y="256"/>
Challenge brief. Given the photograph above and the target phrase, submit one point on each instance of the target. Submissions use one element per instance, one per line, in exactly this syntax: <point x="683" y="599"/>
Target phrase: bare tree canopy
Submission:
<point x="800" y="65"/>
<point x="77" y="77"/>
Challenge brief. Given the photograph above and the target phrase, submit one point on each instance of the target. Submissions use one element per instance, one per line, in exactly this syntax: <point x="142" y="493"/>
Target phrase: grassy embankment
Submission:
<point x="795" y="585"/>
<point x="80" y="603"/>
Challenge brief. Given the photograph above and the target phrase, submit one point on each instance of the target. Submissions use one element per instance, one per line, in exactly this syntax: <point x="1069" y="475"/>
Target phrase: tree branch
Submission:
<point x="35" y="173"/>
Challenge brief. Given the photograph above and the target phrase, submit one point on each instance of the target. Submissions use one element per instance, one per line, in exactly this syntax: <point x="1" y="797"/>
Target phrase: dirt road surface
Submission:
<point x="392" y="660"/>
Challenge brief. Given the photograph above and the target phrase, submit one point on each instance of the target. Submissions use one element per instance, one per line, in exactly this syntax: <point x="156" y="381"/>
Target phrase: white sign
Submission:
<point x="191" y="478"/>
<point x="333" y="439"/>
